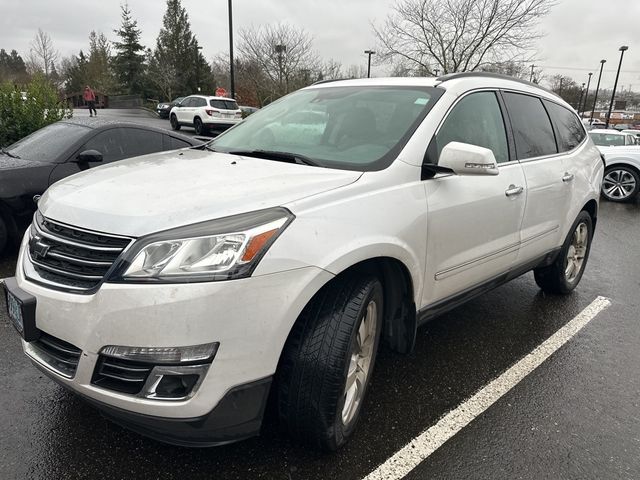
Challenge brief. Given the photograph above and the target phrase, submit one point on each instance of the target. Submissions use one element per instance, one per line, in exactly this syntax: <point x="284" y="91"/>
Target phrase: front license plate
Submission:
<point x="15" y="312"/>
<point x="21" y="307"/>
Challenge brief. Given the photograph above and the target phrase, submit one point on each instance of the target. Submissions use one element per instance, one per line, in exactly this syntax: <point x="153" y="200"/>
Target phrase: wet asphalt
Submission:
<point x="576" y="417"/>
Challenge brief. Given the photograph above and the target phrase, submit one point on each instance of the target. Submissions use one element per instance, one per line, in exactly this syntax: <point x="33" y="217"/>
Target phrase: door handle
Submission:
<point x="568" y="177"/>
<point x="513" y="190"/>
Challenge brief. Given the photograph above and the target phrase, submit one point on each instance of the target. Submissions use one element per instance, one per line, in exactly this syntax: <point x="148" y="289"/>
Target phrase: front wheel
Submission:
<point x="198" y="126"/>
<point x="620" y="183"/>
<point x="564" y="274"/>
<point x="174" y="122"/>
<point x="328" y="360"/>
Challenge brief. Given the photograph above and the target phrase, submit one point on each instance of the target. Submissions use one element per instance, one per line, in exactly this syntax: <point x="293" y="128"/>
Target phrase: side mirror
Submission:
<point x="89" y="156"/>
<point x="466" y="159"/>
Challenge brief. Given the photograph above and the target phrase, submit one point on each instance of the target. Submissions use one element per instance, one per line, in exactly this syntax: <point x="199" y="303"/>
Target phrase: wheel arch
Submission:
<point x="591" y="207"/>
<point x="7" y="217"/>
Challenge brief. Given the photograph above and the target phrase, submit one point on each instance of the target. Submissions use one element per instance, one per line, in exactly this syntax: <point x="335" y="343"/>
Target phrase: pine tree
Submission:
<point x="177" y="66"/>
<point x="128" y="62"/>
<point x="99" y="74"/>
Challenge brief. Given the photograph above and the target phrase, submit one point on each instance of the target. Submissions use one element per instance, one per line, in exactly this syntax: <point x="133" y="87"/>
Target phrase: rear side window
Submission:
<point x="224" y="104"/>
<point x="568" y="127"/>
<point x="477" y="120"/>
<point x="199" y="102"/>
<point x="140" y="142"/>
<point x="532" y="129"/>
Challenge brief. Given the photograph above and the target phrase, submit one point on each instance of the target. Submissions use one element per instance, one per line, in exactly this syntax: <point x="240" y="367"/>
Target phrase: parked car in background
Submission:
<point x="593" y="124"/>
<point x="612" y="138"/>
<point x="205" y="113"/>
<point x="164" y="109"/>
<point x="622" y="173"/>
<point x="31" y="165"/>
<point x="635" y="133"/>
<point x="273" y="266"/>
<point x="620" y="126"/>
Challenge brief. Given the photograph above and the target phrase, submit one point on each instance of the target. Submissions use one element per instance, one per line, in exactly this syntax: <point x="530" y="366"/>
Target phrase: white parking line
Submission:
<point x="419" y="449"/>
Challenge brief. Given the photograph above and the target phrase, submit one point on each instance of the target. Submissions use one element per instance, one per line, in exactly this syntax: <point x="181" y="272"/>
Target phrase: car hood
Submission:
<point x="160" y="191"/>
<point x="624" y="150"/>
<point x="10" y="163"/>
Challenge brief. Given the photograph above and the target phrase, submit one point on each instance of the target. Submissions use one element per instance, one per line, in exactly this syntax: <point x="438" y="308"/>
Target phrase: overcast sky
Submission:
<point x="579" y="33"/>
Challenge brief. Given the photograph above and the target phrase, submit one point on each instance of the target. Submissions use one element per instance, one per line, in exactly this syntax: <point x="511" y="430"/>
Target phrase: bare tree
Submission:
<point x="282" y="52"/>
<point x="459" y="35"/>
<point x="42" y="54"/>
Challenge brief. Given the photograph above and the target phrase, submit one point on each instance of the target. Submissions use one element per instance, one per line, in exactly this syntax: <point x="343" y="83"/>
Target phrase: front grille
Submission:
<point x="57" y="354"/>
<point x="123" y="376"/>
<point x="70" y="258"/>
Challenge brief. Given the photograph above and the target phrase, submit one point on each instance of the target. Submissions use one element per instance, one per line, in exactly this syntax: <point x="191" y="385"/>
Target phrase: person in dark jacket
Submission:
<point x="90" y="98"/>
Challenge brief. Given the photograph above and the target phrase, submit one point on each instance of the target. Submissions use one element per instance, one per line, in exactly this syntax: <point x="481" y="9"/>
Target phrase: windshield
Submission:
<point x="607" y="139"/>
<point x="352" y="128"/>
<point x="48" y="143"/>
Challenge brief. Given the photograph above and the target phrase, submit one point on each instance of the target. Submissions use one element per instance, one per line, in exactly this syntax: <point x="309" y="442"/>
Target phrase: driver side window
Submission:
<point x="477" y="120"/>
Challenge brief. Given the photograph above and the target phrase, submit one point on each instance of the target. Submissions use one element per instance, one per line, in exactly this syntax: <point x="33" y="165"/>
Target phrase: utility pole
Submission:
<point x="560" y="92"/>
<point x="531" y="76"/>
<point x="584" y="105"/>
<point x="369" y="52"/>
<point x="232" y="80"/>
<point x="280" y="50"/>
<point x="622" y="49"/>
<point x="595" y="98"/>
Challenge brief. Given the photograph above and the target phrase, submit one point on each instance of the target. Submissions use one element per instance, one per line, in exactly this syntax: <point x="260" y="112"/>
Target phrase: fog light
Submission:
<point x="174" y="383"/>
<point x="176" y="386"/>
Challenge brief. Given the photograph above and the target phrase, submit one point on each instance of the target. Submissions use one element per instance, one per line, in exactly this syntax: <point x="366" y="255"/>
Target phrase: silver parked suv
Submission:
<point x="175" y="291"/>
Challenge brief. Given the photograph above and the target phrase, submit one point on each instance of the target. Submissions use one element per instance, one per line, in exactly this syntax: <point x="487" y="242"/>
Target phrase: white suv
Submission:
<point x="176" y="290"/>
<point x="205" y="113"/>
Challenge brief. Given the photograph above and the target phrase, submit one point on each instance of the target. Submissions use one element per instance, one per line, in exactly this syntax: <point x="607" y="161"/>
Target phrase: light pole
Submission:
<point x="595" y="98"/>
<point x="580" y="101"/>
<point x="232" y="80"/>
<point x="197" y="49"/>
<point x="622" y="49"/>
<point x="586" y="95"/>
<point x="369" y="52"/>
<point x="280" y="50"/>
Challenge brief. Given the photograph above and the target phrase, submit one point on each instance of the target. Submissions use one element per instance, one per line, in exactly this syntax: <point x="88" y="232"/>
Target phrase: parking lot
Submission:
<point x="574" y="416"/>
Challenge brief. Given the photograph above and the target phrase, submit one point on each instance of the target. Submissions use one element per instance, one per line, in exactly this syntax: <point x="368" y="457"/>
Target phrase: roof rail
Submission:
<point x="453" y="76"/>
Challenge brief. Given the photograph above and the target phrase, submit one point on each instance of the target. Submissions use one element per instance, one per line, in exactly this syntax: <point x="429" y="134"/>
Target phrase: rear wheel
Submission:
<point x="198" y="126"/>
<point x="328" y="360"/>
<point x="564" y="274"/>
<point x="620" y="183"/>
<point x="174" y="122"/>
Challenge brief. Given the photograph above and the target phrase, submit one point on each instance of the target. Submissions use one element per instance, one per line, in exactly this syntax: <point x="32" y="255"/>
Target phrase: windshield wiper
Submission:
<point x="9" y="154"/>
<point x="277" y="156"/>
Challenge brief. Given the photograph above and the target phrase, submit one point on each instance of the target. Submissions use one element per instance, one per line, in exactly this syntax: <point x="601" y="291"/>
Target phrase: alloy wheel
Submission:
<point x="360" y="364"/>
<point x="576" y="252"/>
<point x="618" y="184"/>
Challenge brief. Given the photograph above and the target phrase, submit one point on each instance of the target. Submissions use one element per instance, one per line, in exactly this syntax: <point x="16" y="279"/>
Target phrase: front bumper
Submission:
<point x="250" y="318"/>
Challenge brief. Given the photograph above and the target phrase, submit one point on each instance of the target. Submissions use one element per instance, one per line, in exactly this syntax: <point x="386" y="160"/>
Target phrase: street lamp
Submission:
<point x="232" y="80"/>
<point x="280" y="50"/>
<point x="622" y="49"/>
<point x="584" y="105"/>
<point x="197" y="49"/>
<point x="369" y="52"/>
<point x="595" y="98"/>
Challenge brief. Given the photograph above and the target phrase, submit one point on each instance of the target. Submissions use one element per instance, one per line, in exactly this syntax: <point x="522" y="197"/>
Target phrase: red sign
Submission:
<point x="221" y="92"/>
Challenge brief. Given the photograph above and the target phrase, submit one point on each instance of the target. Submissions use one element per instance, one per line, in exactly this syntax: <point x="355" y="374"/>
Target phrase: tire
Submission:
<point x="198" y="126"/>
<point x="321" y="351"/>
<point x="564" y="274"/>
<point x="620" y="183"/>
<point x="4" y="234"/>
<point x="174" y="122"/>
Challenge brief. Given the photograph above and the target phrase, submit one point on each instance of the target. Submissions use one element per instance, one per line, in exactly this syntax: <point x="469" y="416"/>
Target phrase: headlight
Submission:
<point x="222" y="249"/>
